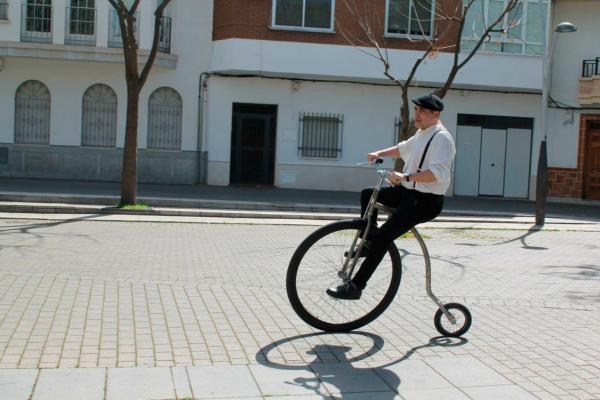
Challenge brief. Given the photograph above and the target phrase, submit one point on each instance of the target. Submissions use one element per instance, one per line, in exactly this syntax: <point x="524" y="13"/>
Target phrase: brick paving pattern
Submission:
<point x="90" y="294"/>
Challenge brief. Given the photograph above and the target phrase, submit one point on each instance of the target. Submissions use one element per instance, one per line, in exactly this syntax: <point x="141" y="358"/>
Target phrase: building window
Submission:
<point x="316" y="15"/>
<point x="81" y="23"/>
<point x="32" y="113"/>
<point x="36" y="23"/>
<point x="99" y="117"/>
<point x="409" y="17"/>
<point x="3" y="11"/>
<point x="320" y="135"/>
<point x="164" y="120"/>
<point x="526" y="37"/>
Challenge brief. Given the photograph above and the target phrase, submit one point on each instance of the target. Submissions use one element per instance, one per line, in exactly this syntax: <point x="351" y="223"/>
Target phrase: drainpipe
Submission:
<point x="202" y="155"/>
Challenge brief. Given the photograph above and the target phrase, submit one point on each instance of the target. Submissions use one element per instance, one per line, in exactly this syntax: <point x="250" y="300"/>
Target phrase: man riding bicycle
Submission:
<point x="417" y="194"/>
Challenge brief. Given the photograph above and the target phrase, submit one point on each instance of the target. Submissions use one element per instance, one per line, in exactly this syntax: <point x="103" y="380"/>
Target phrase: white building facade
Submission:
<point x="257" y="93"/>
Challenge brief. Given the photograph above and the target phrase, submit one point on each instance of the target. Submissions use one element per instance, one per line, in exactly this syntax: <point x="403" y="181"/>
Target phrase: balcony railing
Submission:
<point x="591" y="68"/>
<point x="80" y="26"/>
<point x="114" y="30"/>
<point x="3" y="10"/>
<point x="36" y="23"/>
<point x="164" y="45"/>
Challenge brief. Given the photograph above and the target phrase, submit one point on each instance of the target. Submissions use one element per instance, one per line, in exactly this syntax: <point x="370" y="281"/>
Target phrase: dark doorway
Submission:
<point x="253" y="132"/>
<point x="592" y="161"/>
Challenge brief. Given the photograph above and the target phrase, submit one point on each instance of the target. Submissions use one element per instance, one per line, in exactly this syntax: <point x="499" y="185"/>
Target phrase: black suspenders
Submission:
<point x="425" y="153"/>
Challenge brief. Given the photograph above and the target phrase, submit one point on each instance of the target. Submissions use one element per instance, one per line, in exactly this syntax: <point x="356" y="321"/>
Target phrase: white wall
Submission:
<point x="347" y="63"/>
<point x="68" y="80"/>
<point x="369" y="112"/>
<point x="570" y="51"/>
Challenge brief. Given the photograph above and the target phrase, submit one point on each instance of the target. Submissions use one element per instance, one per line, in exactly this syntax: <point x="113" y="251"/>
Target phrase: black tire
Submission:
<point x="463" y="320"/>
<point x="303" y="295"/>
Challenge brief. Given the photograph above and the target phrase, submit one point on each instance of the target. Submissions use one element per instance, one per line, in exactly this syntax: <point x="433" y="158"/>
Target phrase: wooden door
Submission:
<point x="592" y="157"/>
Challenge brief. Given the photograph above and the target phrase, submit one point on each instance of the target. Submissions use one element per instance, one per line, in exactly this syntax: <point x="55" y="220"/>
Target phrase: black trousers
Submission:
<point x="412" y="208"/>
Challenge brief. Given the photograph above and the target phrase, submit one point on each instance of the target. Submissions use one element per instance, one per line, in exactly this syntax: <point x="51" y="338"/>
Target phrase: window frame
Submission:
<point x="302" y="28"/>
<point x="505" y="38"/>
<point x="409" y="35"/>
<point x="6" y="6"/>
<point x="339" y="127"/>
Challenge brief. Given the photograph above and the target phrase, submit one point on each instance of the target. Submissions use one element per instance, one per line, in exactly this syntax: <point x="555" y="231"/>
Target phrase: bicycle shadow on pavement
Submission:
<point x="341" y="378"/>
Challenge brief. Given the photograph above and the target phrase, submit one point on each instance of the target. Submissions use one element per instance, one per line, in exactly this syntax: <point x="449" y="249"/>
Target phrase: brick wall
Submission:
<point x="251" y="19"/>
<point x="568" y="182"/>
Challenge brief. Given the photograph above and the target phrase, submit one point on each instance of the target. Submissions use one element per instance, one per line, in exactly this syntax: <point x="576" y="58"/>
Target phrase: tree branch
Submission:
<point x="158" y="14"/>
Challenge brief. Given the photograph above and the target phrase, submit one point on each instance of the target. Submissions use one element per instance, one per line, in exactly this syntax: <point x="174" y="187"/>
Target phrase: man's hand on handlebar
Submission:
<point x="372" y="157"/>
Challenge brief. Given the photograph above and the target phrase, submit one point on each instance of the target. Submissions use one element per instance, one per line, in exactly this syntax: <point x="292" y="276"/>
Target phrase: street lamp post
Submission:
<point x="542" y="171"/>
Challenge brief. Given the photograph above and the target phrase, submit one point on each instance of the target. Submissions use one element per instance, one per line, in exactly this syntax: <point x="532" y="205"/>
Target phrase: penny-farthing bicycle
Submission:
<point x="328" y="257"/>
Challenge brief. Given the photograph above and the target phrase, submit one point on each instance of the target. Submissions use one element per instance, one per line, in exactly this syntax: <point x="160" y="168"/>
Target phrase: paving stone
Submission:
<point x="433" y="394"/>
<point x="140" y="384"/>
<point x="216" y="381"/>
<point x="17" y="384"/>
<point x="466" y="371"/>
<point x="412" y="374"/>
<point x="508" y="392"/>
<point x="276" y="380"/>
<point x="345" y="378"/>
<point x="70" y="383"/>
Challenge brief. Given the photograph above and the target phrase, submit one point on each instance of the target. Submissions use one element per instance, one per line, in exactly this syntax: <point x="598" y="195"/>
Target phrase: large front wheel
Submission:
<point x="315" y="266"/>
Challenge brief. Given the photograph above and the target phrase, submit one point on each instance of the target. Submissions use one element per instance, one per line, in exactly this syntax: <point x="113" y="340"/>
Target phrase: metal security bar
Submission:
<point x="36" y="23"/>
<point x="80" y="26"/>
<point x="3" y="11"/>
<point x="114" y="29"/>
<point x="320" y="135"/>
<point x="164" y="120"/>
<point x="99" y="121"/>
<point x="164" y="45"/>
<point x="397" y="130"/>
<point x="590" y="68"/>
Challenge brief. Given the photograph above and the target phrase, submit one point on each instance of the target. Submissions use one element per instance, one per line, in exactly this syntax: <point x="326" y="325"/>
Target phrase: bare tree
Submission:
<point x="135" y="83"/>
<point x="449" y="18"/>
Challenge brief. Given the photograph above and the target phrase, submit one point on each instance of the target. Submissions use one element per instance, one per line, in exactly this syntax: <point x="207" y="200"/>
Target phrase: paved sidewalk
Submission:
<point x="123" y="309"/>
<point x="249" y="198"/>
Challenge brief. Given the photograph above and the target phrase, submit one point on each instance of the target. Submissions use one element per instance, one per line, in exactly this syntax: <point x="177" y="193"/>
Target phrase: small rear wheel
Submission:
<point x="461" y="325"/>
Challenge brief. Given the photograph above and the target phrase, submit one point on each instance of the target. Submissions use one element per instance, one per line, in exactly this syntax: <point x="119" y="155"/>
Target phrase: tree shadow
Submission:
<point x="342" y="378"/>
<point x="522" y="238"/>
<point x="29" y="232"/>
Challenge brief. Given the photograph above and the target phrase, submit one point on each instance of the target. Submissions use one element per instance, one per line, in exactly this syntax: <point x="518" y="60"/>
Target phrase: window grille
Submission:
<point x="164" y="120"/>
<point x="320" y="135"/>
<point x="80" y="23"/>
<point x="397" y="130"/>
<point x="99" y="117"/>
<point x="32" y="113"/>
<point x="114" y="29"/>
<point x="36" y="21"/>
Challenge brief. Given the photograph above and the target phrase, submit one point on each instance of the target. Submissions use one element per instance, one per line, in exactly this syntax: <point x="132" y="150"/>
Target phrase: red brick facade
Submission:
<point x="568" y="182"/>
<point x="251" y="19"/>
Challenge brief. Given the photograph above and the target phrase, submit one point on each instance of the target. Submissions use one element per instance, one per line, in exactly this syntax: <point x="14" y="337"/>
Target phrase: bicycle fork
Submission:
<point x="351" y="259"/>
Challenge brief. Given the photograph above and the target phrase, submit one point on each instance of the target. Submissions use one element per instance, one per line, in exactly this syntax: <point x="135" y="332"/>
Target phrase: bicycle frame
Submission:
<point x="350" y="261"/>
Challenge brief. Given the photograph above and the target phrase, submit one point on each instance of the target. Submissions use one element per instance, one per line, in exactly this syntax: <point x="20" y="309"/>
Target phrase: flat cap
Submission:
<point x="430" y="102"/>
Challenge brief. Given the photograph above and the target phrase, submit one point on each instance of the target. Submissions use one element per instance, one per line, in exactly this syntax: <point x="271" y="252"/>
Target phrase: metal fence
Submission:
<point x="591" y="67"/>
<point x="320" y="135"/>
<point x="36" y="23"/>
<point x="3" y="10"/>
<point x="114" y="29"/>
<point x="80" y="26"/>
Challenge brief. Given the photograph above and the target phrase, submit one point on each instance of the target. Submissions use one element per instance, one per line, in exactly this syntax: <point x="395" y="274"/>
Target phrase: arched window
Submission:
<point x="99" y="117"/>
<point x="32" y="113"/>
<point x="164" y="119"/>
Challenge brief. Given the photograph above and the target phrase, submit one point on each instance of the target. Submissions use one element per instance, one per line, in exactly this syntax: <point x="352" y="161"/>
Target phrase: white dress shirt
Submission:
<point x="438" y="160"/>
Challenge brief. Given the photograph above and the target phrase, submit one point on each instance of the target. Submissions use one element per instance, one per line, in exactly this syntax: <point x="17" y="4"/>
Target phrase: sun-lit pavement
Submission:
<point x="153" y="310"/>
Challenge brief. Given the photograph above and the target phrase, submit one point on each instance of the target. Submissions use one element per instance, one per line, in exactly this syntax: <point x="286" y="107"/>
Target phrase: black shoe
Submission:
<point x="345" y="291"/>
<point x="363" y="252"/>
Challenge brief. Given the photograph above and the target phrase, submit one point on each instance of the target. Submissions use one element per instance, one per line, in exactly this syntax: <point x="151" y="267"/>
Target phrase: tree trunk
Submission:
<point x="129" y="174"/>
